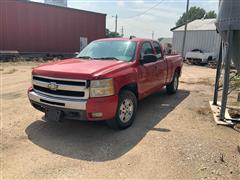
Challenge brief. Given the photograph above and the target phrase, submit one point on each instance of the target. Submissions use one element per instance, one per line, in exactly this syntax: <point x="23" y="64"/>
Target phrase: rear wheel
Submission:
<point x="126" y="111"/>
<point x="173" y="86"/>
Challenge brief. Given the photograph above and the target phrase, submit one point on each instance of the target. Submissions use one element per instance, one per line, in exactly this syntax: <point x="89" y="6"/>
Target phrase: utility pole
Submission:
<point x="153" y="35"/>
<point x="122" y="32"/>
<point x="185" y="29"/>
<point x="116" y="21"/>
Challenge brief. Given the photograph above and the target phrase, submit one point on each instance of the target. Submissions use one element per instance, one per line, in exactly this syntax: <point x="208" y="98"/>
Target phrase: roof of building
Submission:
<point x="198" y="25"/>
<point x="55" y="6"/>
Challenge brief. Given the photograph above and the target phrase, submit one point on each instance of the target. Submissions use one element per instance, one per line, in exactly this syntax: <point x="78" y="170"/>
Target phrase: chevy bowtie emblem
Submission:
<point x="53" y="86"/>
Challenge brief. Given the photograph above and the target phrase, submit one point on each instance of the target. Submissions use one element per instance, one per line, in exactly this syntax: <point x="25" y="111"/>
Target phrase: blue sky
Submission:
<point x="160" y="19"/>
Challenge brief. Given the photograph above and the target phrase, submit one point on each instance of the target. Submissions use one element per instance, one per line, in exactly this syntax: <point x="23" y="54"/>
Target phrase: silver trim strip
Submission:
<point x="59" y="96"/>
<point x="60" y="86"/>
<point x="63" y="79"/>
<point x="69" y="104"/>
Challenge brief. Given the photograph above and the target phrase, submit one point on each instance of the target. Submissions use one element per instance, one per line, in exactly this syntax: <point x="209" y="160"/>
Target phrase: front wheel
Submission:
<point x="126" y="111"/>
<point x="173" y="86"/>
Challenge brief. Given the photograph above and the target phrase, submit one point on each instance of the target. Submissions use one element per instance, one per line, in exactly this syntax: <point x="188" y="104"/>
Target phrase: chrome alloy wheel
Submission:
<point x="126" y="110"/>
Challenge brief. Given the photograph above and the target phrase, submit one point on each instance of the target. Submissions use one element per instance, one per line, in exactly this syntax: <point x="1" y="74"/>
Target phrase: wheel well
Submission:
<point x="131" y="87"/>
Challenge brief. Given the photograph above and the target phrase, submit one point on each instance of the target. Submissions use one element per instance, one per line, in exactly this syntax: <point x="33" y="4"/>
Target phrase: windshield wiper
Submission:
<point x="84" y="57"/>
<point x="107" y="58"/>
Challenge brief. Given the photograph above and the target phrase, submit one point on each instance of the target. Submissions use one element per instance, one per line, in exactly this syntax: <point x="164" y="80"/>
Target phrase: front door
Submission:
<point x="147" y="72"/>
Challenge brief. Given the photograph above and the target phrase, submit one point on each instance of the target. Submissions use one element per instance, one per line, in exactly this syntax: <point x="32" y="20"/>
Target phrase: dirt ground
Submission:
<point x="173" y="137"/>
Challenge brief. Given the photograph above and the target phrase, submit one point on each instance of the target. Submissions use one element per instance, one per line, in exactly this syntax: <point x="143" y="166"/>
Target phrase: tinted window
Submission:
<point x="146" y="49"/>
<point x="157" y="49"/>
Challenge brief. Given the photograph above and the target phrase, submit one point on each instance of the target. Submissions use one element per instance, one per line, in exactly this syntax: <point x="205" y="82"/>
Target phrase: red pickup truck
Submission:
<point x="105" y="81"/>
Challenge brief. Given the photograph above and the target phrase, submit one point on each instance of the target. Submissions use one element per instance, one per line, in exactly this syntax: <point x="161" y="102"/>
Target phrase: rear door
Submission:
<point x="161" y="72"/>
<point x="147" y="72"/>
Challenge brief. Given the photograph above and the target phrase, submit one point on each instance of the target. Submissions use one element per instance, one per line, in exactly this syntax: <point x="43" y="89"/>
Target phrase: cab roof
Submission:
<point x="126" y="39"/>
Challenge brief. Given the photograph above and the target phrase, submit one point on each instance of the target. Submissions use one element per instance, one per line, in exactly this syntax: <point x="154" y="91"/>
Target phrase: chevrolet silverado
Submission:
<point x="105" y="81"/>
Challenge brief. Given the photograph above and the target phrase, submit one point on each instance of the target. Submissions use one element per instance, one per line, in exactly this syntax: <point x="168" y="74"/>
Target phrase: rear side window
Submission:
<point x="157" y="49"/>
<point x="146" y="49"/>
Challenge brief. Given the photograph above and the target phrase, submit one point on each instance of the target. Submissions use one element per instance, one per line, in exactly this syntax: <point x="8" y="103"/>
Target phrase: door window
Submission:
<point x="158" y="50"/>
<point x="146" y="49"/>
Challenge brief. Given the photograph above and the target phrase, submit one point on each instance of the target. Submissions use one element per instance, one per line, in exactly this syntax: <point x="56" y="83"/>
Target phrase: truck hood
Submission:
<point x="79" y="68"/>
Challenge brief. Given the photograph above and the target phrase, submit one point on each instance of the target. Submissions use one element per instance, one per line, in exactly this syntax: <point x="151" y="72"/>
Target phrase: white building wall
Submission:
<point x="207" y="41"/>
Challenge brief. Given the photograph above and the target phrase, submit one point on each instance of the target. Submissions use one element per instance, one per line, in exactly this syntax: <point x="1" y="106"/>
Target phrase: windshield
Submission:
<point x="107" y="50"/>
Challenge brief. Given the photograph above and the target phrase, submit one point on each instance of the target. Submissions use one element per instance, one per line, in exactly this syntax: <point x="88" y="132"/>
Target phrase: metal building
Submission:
<point x="31" y="27"/>
<point x="201" y="34"/>
<point x="62" y="3"/>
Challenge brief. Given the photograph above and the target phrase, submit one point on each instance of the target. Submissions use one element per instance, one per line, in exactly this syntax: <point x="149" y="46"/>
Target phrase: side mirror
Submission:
<point x="148" y="58"/>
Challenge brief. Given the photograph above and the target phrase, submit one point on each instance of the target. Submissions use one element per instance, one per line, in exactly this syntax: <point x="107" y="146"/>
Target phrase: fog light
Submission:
<point x="97" y="114"/>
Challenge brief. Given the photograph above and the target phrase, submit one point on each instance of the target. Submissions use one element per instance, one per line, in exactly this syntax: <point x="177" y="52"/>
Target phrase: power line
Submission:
<point x="144" y="12"/>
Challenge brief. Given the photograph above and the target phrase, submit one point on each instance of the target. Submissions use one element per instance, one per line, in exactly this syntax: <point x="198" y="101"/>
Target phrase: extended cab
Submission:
<point x="105" y="81"/>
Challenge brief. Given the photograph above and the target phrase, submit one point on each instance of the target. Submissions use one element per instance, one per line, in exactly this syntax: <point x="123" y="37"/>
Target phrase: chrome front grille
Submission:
<point x="61" y="88"/>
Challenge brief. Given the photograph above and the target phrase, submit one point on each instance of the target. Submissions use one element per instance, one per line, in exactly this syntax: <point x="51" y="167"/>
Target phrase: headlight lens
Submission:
<point x="100" y="88"/>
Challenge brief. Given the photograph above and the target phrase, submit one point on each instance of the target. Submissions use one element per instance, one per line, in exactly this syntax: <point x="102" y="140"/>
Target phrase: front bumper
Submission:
<point x="76" y="109"/>
<point x="57" y="102"/>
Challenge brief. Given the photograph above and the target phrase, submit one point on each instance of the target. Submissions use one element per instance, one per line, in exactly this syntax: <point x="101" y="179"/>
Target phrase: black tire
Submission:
<point x="172" y="87"/>
<point x="117" y="122"/>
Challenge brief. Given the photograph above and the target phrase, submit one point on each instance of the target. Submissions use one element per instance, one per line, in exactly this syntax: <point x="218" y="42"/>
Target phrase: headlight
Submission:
<point x="100" y="88"/>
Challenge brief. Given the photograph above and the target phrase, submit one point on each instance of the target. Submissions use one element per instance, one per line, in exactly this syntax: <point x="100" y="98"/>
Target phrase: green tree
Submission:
<point x="195" y="13"/>
<point x="110" y="34"/>
<point x="210" y="14"/>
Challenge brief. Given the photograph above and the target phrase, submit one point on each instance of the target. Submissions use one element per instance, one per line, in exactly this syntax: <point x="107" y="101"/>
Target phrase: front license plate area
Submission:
<point x="53" y="115"/>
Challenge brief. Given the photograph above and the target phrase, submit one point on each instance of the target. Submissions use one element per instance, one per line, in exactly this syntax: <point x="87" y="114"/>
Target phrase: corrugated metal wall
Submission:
<point x="207" y="41"/>
<point x="35" y="27"/>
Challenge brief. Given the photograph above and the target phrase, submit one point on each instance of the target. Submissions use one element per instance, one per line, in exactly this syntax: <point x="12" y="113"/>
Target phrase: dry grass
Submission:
<point x="236" y="82"/>
<point x="234" y="113"/>
<point x="206" y="82"/>
<point x="11" y="71"/>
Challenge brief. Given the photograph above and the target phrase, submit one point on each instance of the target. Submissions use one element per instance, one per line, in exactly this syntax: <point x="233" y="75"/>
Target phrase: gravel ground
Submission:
<point x="173" y="137"/>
